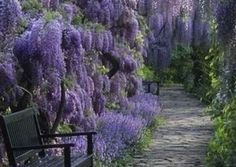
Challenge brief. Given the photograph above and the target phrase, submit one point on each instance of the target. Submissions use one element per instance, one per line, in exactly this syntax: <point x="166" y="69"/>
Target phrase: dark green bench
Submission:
<point x="149" y="83"/>
<point x="25" y="144"/>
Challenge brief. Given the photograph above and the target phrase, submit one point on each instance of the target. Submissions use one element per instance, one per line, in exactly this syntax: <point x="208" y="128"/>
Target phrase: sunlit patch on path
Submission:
<point x="182" y="140"/>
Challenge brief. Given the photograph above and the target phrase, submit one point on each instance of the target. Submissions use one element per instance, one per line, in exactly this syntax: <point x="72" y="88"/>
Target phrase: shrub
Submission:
<point x="222" y="148"/>
<point x="116" y="132"/>
<point x="31" y="5"/>
<point x="147" y="73"/>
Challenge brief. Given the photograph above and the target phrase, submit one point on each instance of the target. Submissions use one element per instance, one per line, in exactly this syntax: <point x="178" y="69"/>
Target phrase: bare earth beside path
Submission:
<point x="182" y="140"/>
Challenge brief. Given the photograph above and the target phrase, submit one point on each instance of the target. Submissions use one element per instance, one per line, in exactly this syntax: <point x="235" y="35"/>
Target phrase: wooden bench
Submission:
<point x="149" y="83"/>
<point x="25" y="144"/>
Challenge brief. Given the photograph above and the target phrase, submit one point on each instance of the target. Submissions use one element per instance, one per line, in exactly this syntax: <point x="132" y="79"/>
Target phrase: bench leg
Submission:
<point x="67" y="157"/>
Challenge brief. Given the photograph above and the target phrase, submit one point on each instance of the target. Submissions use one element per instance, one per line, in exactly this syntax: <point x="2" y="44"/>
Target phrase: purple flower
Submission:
<point x="115" y="86"/>
<point x="225" y="15"/>
<point x="145" y="106"/>
<point x="51" y="52"/>
<point x="98" y="41"/>
<point x="71" y="38"/>
<point x="34" y="43"/>
<point x="98" y="81"/>
<point x="134" y="84"/>
<point x="143" y="6"/>
<point x="87" y="40"/>
<point x="128" y="64"/>
<point x="69" y="10"/>
<point x="89" y="86"/>
<point x="10" y="15"/>
<point x="8" y="90"/>
<point x="89" y="123"/>
<point x="111" y="40"/>
<point x="21" y="48"/>
<point x="105" y="42"/>
<point x="73" y="110"/>
<point x="54" y="4"/>
<point x="132" y="29"/>
<point x="106" y="84"/>
<point x="117" y="132"/>
<point x="92" y="10"/>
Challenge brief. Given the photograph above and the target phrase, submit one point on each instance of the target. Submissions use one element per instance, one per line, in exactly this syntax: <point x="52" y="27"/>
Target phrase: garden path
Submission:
<point x="182" y="140"/>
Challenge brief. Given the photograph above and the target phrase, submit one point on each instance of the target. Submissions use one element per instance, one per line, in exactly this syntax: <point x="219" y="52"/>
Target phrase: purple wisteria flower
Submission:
<point x="87" y="40"/>
<point x="52" y="52"/>
<point x="10" y="15"/>
<point x="73" y="111"/>
<point x="225" y="15"/>
<point x="8" y="90"/>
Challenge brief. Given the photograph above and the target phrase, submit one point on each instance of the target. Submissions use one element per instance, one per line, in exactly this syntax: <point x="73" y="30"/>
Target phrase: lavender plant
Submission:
<point x="117" y="133"/>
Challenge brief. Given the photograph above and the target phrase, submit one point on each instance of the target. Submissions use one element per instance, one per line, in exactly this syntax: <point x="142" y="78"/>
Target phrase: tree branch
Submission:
<point x="60" y="110"/>
<point x="114" y="62"/>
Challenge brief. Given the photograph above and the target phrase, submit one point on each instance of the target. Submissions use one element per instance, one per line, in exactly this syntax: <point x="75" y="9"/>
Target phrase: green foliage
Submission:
<point x="112" y="106"/>
<point x="167" y="76"/>
<point x="78" y="19"/>
<point x="157" y="122"/>
<point x="208" y="67"/>
<point x="22" y="26"/>
<point x="33" y="5"/>
<point x="143" y="24"/>
<point x="180" y="68"/>
<point x="182" y="62"/>
<point x="7" y="111"/>
<point x="200" y="71"/>
<point x="96" y="26"/>
<point x="101" y="69"/>
<point x="147" y="73"/>
<point x="64" y="128"/>
<point x="214" y="59"/>
<point x="137" y="55"/>
<point x="222" y="148"/>
<point x="69" y="81"/>
<point x="50" y="15"/>
<point x="196" y="68"/>
<point x="139" y="39"/>
<point x="122" y="162"/>
<point x="146" y="138"/>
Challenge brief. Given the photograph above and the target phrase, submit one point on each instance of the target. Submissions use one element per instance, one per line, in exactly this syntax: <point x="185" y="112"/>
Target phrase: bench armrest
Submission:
<point x="148" y="83"/>
<point x="47" y="146"/>
<point x="88" y="134"/>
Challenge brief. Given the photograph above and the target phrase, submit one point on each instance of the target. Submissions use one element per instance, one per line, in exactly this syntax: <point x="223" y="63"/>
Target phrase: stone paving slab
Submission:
<point x="182" y="141"/>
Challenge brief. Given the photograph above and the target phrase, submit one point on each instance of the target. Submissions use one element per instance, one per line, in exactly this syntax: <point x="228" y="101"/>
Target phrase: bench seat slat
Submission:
<point x="58" y="161"/>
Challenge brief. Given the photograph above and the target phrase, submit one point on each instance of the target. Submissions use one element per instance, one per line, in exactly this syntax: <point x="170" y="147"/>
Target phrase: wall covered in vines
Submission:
<point x="77" y="62"/>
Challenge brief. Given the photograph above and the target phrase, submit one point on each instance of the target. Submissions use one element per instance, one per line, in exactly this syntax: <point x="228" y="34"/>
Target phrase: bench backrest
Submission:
<point x="149" y="83"/>
<point x="20" y="129"/>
